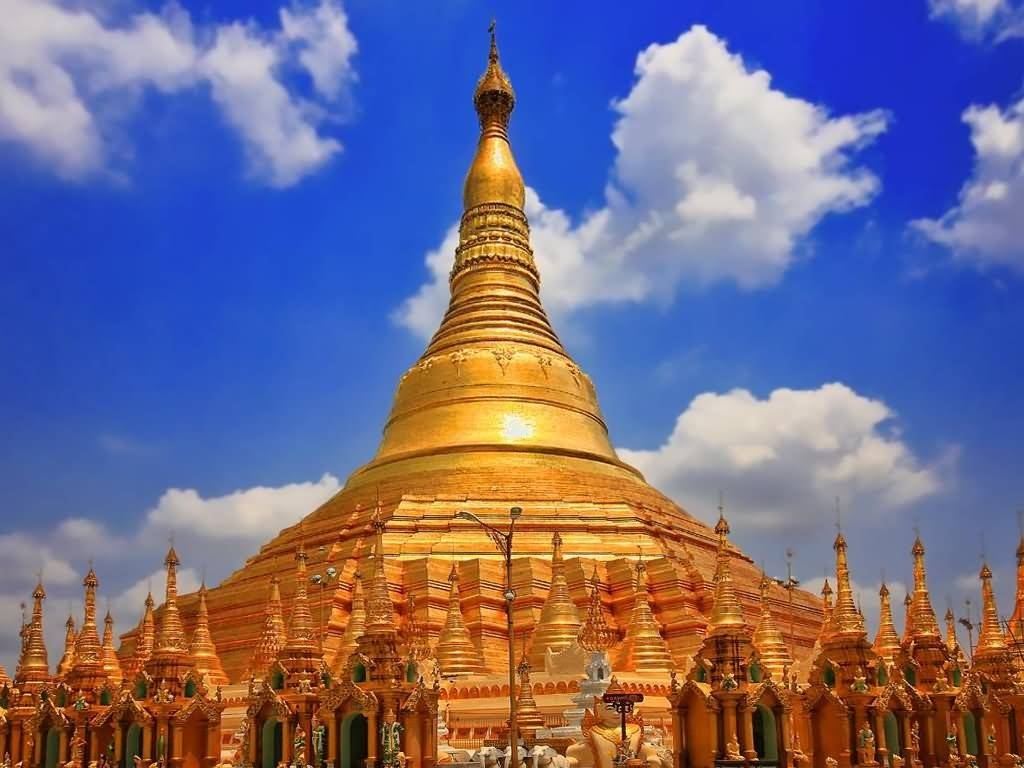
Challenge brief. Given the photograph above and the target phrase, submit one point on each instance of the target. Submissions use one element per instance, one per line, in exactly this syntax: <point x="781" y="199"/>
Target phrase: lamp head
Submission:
<point x="316" y="578"/>
<point x="331" y="571"/>
<point x="462" y="514"/>
<point x="515" y="512"/>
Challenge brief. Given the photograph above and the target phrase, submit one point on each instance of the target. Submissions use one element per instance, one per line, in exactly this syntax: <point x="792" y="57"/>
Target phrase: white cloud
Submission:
<point x="127" y="607"/>
<point x="978" y="19"/>
<point x="251" y="514"/>
<point x="718" y="176"/>
<point x="23" y="557"/>
<point x="59" y="67"/>
<point x="783" y="460"/>
<point x="986" y="227"/>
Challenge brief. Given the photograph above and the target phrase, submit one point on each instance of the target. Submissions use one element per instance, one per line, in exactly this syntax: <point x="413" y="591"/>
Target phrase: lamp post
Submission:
<point x="503" y="541"/>
<point x="322" y="580"/>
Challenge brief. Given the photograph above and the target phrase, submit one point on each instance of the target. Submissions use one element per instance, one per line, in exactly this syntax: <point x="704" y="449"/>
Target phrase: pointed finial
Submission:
<point x="839" y="516"/>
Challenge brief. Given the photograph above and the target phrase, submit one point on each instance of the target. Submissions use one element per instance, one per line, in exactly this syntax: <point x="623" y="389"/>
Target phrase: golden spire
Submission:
<point x="952" y="644"/>
<point x="1015" y="626"/>
<point x="908" y="619"/>
<point x="146" y="637"/>
<point x="170" y="636"/>
<point x="846" y="618"/>
<point x="67" y="661"/>
<point x="990" y="636"/>
<point x="768" y="640"/>
<point x="111" y="664"/>
<point x="559" y="622"/>
<point x="455" y="653"/>
<point x="528" y="716"/>
<point x="828" y="624"/>
<point x="887" y="641"/>
<point x="922" y="615"/>
<point x="643" y="649"/>
<point x="380" y="611"/>
<point x="202" y="649"/>
<point x="356" y="624"/>
<point x="726" y="612"/>
<point x="493" y="177"/>
<point x="88" y="649"/>
<point x="595" y="634"/>
<point x="4" y="678"/>
<point x="273" y="636"/>
<point x="300" y="628"/>
<point x="416" y="639"/>
<point x="33" y="664"/>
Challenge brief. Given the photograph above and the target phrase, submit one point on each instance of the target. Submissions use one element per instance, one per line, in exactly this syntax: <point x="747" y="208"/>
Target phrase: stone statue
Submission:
<point x="319" y="737"/>
<point x="729" y="681"/>
<point x="860" y="681"/>
<point x="299" y="746"/>
<point x="866" y="745"/>
<point x="732" y="748"/>
<point x="952" y="741"/>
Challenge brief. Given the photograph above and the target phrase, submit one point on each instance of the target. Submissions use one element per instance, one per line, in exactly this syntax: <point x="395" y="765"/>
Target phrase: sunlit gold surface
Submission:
<point x="990" y="636"/>
<point x="922" y="614"/>
<point x="202" y="648"/>
<point x="559" y="622"/>
<point x="726" y="610"/>
<point x="272" y="635"/>
<point x="33" y="664"/>
<point x="455" y="653"/>
<point x="887" y="641"/>
<point x="111" y="664"/>
<point x="68" y="659"/>
<point x="1015" y="625"/>
<point x="846" y="617"/>
<point x="643" y="649"/>
<point x="494" y="414"/>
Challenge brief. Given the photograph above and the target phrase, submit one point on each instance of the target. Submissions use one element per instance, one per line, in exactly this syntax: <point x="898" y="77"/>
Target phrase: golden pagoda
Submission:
<point x="299" y="654"/>
<point x="68" y="659"/>
<point x="528" y="716"/>
<point x="88" y="670"/>
<point x="643" y="649"/>
<point x="991" y="655"/>
<point x="595" y="635"/>
<point x="455" y="653"/>
<point x="272" y="638"/>
<point x="496" y="413"/>
<point x="202" y="649"/>
<point x="926" y="647"/>
<point x="145" y="636"/>
<point x="111" y="664"/>
<point x="771" y="646"/>
<point x="559" y="622"/>
<point x="908" y="620"/>
<point x="170" y="660"/>
<point x="887" y="640"/>
<point x="827" y="611"/>
<point x="355" y="626"/>
<point x="33" y="663"/>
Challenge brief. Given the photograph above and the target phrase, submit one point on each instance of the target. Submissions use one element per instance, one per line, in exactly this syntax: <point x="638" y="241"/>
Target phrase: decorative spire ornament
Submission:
<point x="272" y="638"/>
<point x="726" y="613"/>
<point x="356" y="626"/>
<point x="643" y="649"/>
<point x="170" y="635"/>
<point x="923" y="618"/>
<point x="559" y="622"/>
<point x="887" y="641"/>
<point x="67" y="661"/>
<point x="111" y="664"/>
<point x="768" y="640"/>
<point x="380" y="611"/>
<point x="846" y="617"/>
<point x="990" y="637"/>
<point x="828" y="625"/>
<point x="33" y="666"/>
<point x="455" y="652"/>
<point x="205" y="660"/>
<point x="595" y="634"/>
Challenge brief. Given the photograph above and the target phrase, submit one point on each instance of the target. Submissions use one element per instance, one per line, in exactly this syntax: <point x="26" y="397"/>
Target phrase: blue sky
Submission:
<point x="784" y="240"/>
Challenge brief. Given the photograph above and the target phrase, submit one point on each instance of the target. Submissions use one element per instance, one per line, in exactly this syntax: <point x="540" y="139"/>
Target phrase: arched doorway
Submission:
<point x="970" y="731"/>
<point x="892" y="736"/>
<point x="195" y="737"/>
<point x="51" y="748"/>
<point x="355" y="741"/>
<point x="270" y="743"/>
<point x="827" y="728"/>
<point x="766" y="741"/>
<point x="132" y="745"/>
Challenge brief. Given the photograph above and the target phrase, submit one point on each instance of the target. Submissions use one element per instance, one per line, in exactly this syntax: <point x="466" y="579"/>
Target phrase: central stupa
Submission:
<point x="497" y="414"/>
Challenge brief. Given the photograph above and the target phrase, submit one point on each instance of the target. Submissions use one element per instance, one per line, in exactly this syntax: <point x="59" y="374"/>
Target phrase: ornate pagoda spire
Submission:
<point x="455" y="653"/>
<point x="643" y="649"/>
<point x="990" y="636"/>
<point x="828" y="624"/>
<point x="726" y="614"/>
<point x="202" y="649"/>
<point x="67" y="661"/>
<point x="528" y="716"/>
<point x="170" y="635"/>
<point x="922" y="614"/>
<point x="4" y="678"/>
<point x="301" y="637"/>
<point x="768" y="640"/>
<point x="88" y="648"/>
<point x="1015" y="625"/>
<point x="416" y="640"/>
<point x="908" y="620"/>
<point x="887" y="641"/>
<point x="952" y="644"/>
<point x="559" y="622"/>
<point x="33" y="664"/>
<point x="111" y="664"/>
<point x="595" y="634"/>
<point x="146" y="638"/>
<point x="846" y="617"/>
<point x="380" y="611"/>
<point x="273" y="636"/>
<point x="356" y="626"/>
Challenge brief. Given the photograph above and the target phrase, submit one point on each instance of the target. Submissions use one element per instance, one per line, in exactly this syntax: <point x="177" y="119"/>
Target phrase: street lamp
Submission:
<point x="322" y="580"/>
<point x="503" y="541"/>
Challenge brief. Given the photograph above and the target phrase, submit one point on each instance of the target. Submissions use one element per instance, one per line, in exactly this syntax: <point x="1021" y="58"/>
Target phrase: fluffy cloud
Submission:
<point x="782" y="460"/>
<point x="979" y="19"/>
<point x="986" y="228"/>
<point x="253" y="514"/>
<point x="61" y="67"/>
<point x="718" y="176"/>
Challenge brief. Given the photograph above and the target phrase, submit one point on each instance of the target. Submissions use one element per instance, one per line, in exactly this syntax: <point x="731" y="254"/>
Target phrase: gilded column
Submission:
<point x="94" y="743"/>
<point x="880" y="743"/>
<point x="905" y="727"/>
<point x="118" y="744"/>
<point x="286" y="741"/>
<point x="373" y="738"/>
<point x="332" y="741"/>
<point x="747" y="713"/>
<point x="785" y="737"/>
<point x="177" y="744"/>
<point x="147" y="740"/>
<point x="728" y="721"/>
<point x="62" y="746"/>
<point x="961" y="737"/>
